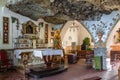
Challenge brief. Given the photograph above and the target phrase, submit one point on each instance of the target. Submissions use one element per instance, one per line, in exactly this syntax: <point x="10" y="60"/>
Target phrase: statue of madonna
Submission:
<point x="100" y="43"/>
<point x="100" y="48"/>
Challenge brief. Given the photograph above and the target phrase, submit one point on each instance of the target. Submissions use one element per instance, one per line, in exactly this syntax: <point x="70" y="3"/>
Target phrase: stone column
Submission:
<point x="101" y="52"/>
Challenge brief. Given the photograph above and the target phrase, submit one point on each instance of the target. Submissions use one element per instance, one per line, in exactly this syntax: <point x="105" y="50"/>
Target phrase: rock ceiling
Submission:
<point x="59" y="11"/>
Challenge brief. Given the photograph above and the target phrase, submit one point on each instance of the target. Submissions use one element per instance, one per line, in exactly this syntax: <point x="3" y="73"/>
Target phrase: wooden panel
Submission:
<point x="78" y="47"/>
<point x="115" y="47"/>
<point x="83" y="53"/>
<point x="69" y="48"/>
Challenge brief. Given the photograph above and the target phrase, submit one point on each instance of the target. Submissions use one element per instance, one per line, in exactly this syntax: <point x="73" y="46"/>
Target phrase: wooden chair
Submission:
<point x="4" y="62"/>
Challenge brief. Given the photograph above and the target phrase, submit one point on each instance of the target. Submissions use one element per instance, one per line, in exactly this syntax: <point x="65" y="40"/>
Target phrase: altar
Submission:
<point x="37" y="55"/>
<point x="41" y="53"/>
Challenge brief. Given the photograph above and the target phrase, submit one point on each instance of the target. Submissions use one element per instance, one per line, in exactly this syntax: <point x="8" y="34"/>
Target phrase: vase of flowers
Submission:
<point x="57" y="40"/>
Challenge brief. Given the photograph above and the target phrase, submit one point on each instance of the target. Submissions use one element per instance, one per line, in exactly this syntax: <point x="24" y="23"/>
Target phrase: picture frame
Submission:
<point x="52" y="33"/>
<point x="5" y="30"/>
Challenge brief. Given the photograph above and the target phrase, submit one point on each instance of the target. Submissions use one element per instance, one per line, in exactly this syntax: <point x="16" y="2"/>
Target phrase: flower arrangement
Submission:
<point x="86" y="43"/>
<point x="57" y="40"/>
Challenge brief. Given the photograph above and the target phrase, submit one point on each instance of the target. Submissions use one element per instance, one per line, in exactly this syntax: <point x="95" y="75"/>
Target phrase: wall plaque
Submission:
<point x="5" y="30"/>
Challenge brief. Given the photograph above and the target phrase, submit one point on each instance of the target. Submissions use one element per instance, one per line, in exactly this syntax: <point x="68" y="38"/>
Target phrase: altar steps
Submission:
<point x="39" y="73"/>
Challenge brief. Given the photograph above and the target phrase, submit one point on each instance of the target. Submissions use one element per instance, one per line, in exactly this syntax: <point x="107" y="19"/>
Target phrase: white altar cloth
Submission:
<point x="18" y="52"/>
<point x="39" y="52"/>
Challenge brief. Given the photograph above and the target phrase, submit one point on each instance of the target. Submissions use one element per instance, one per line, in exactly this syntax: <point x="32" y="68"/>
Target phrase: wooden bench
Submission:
<point x="94" y="78"/>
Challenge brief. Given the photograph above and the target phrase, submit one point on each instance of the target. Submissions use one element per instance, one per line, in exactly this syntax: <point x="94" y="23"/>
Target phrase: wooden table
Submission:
<point x="48" y="55"/>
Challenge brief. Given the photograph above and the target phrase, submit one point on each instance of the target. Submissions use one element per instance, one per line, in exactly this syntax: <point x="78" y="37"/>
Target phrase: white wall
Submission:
<point x="42" y="30"/>
<point x="82" y="34"/>
<point x="13" y="32"/>
<point x="2" y="3"/>
<point x="111" y="40"/>
<point x="69" y="35"/>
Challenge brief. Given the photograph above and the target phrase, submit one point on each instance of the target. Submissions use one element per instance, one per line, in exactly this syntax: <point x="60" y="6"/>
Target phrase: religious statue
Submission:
<point x="57" y="40"/>
<point x="29" y="29"/>
<point x="100" y="43"/>
<point x="100" y="50"/>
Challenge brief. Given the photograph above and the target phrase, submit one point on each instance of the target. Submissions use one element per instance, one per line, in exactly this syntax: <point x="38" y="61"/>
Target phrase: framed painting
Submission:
<point x="5" y="30"/>
<point x="52" y="33"/>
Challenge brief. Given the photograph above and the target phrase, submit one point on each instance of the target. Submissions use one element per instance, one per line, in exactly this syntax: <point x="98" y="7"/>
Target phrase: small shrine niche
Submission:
<point x="29" y="36"/>
<point x="29" y="28"/>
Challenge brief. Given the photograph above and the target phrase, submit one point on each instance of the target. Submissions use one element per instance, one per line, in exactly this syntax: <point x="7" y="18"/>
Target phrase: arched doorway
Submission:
<point x="112" y="38"/>
<point x="73" y="33"/>
<point x="113" y="45"/>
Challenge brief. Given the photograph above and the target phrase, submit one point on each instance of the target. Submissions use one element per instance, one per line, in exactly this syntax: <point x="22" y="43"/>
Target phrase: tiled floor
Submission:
<point x="77" y="71"/>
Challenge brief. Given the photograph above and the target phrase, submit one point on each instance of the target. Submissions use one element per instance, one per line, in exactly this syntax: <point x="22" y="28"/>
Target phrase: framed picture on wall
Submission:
<point x="52" y="33"/>
<point x="5" y="30"/>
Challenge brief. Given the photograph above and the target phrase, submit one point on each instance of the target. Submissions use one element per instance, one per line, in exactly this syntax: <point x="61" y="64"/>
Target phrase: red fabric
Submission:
<point x="4" y="59"/>
<point x="3" y="56"/>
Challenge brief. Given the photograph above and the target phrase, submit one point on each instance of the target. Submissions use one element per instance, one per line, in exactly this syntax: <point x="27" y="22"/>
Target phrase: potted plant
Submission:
<point x="86" y="43"/>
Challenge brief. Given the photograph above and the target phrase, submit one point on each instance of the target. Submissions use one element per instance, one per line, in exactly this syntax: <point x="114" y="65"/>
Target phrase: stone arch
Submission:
<point x="110" y="38"/>
<point x="67" y="25"/>
<point x="64" y="29"/>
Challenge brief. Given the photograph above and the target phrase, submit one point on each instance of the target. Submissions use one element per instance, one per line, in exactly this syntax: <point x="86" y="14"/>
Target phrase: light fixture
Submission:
<point x="74" y="26"/>
<point x="51" y="0"/>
